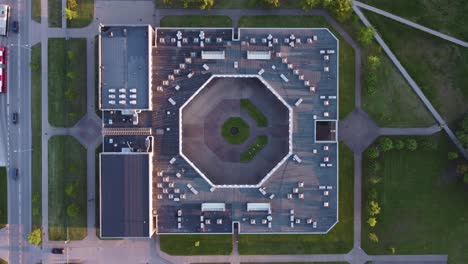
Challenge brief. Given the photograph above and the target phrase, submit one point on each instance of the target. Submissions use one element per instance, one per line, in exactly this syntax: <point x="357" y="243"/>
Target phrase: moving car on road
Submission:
<point x="15" y="174"/>
<point x="15" y="26"/>
<point x="14" y="118"/>
<point x="57" y="251"/>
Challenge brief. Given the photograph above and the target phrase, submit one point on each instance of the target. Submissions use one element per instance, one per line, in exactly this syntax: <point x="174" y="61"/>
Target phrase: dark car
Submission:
<point x="15" y="174"/>
<point x="57" y="251"/>
<point x="14" y="118"/>
<point x="15" y="26"/>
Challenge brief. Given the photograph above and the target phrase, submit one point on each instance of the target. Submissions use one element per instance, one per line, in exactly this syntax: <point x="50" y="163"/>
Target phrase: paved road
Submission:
<point x="412" y="83"/>
<point x="411" y="24"/>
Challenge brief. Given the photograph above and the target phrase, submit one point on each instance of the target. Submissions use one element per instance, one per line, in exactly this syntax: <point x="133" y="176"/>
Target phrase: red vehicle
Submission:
<point x="3" y="64"/>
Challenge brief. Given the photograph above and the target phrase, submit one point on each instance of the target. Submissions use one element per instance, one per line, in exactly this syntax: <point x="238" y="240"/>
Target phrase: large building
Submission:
<point x="171" y="98"/>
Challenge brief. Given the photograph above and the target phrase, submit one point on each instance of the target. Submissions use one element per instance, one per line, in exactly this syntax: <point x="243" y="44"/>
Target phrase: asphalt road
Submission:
<point x="17" y="99"/>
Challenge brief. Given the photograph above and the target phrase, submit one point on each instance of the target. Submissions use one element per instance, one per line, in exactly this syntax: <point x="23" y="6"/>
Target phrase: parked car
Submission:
<point x="14" y="118"/>
<point x="57" y="251"/>
<point x="15" y="26"/>
<point x="15" y="174"/>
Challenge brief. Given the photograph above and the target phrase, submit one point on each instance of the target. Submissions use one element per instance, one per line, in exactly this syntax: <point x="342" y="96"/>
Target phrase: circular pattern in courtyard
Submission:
<point x="235" y="130"/>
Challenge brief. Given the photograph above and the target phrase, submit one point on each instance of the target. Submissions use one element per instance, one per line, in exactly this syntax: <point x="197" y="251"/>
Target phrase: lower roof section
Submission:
<point x="125" y="194"/>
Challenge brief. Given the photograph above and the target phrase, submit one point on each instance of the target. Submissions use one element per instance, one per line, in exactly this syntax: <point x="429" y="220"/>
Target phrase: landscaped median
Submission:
<point x="413" y="200"/>
<point x="259" y="143"/>
<point x="338" y="240"/>
<point x="254" y="112"/>
<point x="186" y="245"/>
<point x="67" y="189"/>
<point x="67" y="81"/>
<point x="36" y="126"/>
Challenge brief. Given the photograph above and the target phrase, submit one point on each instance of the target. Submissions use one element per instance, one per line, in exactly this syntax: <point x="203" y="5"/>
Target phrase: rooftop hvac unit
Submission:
<point x="122" y="96"/>
<point x="122" y="90"/>
<point x="112" y="96"/>
<point x="112" y="102"/>
<point x="112" y="90"/>
<point x="122" y="102"/>
<point x="133" y="90"/>
<point x="133" y="102"/>
<point x="133" y="96"/>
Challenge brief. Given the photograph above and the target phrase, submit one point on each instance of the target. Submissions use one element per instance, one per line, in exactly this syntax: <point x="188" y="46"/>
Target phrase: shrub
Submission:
<point x="462" y="132"/>
<point x="372" y="221"/>
<point x="309" y="4"/>
<point x="373" y="237"/>
<point x="70" y="190"/>
<point x="374" y="208"/>
<point x="71" y="4"/>
<point x="385" y="144"/>
<point x="366" y="35"/>
<point x="35" y="237"/>
<point x="375" y="179"/>
<point x="399" y="144"/>
<point x="341" y="9"/>
<point x="73" y="210"/>
<point x="373" y="153"/>
<point x="411" y="144"/>
<point x="374" y="167"/>
<point x="272" y="3"/>
<point x="452" y="155"/>
<point x="372" y="195"/>
<point x="35" y="211"/>
<point x="70" y="14"/>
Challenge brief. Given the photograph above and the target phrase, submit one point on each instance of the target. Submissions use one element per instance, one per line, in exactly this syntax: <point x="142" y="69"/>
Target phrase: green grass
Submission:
<point x="338" y="240"/>
<point x="36" y="126"/>
<point x="3" y="197"/>
<point x="67" y="96"/>
<point x="423" y="204"/>
<point x="196" y="21"/>
<point x="85" y="12"/>
<point x="230" y="4"/>
<point x="448" y="17"/>
<point x="346" y="59"/>
<point x="235" y="137"/>
<point x="254" y="149"/>
<point x="36" y="10"/>
<point x="254" y="112"/>
<point x="67" y="165"/>
<point x="436" y="65"/>
<point x="55" y="13"/>
<point x="184" y="245"/>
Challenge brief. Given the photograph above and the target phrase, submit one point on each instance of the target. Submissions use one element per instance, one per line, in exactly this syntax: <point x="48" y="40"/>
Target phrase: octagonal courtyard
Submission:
<point x="246" y="161"/>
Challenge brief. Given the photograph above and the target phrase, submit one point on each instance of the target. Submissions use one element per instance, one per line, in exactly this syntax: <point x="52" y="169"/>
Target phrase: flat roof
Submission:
<point x="125" y="61"/>
<point x="124" y="183"/>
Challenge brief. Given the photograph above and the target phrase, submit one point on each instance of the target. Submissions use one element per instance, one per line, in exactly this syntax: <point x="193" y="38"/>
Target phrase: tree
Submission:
<point x="272" y="3"/>
<point x="206" y="4"/>
<point x="35" y="237"/>
<point x="197" y="243"/>
<point x="372" y="194"/>
<point x="73" y="210"/>
<point x="372" y="221"/>
<point x="373" y="153"/>
<point x="429" y="144"/>
<point x="462" y="132"/>
<point x="373" y="237"/>
<point x="366" y="35"/>
<point x="71" y="75"/>
<point x="167" y="2"/>
<point x="70" y="14"/>
<point x="309" y="4"/>
<point x="374" y="62"/>
<point x="374" y="208"/>
<point x="385" y="144"/>
<point x="374" y="167"/>
<point x="462" y="168"/>
<point x="374" y="179"/>
<point x="70" y="190"/>
<point x="341" y="9"/>
<point x="411" y="144"/>
<point x="35" y="197"/>
<point x="35" y="211"/>
<point x="71" y="4"/>
<point x="452" y="155"/>
<point x="70" y="94"/>
<point x="392" y="250"/>
<point x="399" y="144"/>
<point x="71" y="55"/>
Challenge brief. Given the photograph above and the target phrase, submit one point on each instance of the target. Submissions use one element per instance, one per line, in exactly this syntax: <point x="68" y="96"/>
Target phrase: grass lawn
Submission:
<point x="36" y="119"/>
<point x="67" y="81"/>
<point x="231" y="4"/>
<point x="448" y="17"/>
<point x="338" y="240"/>
<point x="55" y="12"/>
<point x="254" y="112"/>
<point x="3" y="197"/>
<point x="196" y="21"/>
<point x="394" y="104"/>
<point x="67" y="166"/>
<point x="346" y="59"/>
<point x="235" y="130"/>
<point x="257" y="146"/>
<point x="85" y="12"/>
<point x="436" y="65"/>
<point x="36" y="10"/>
<point x="185" y="244"/>
<point x="423" y="205"/>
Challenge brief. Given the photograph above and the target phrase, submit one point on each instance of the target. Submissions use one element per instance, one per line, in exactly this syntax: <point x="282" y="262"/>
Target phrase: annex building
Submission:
<point x="211" y="130"/>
